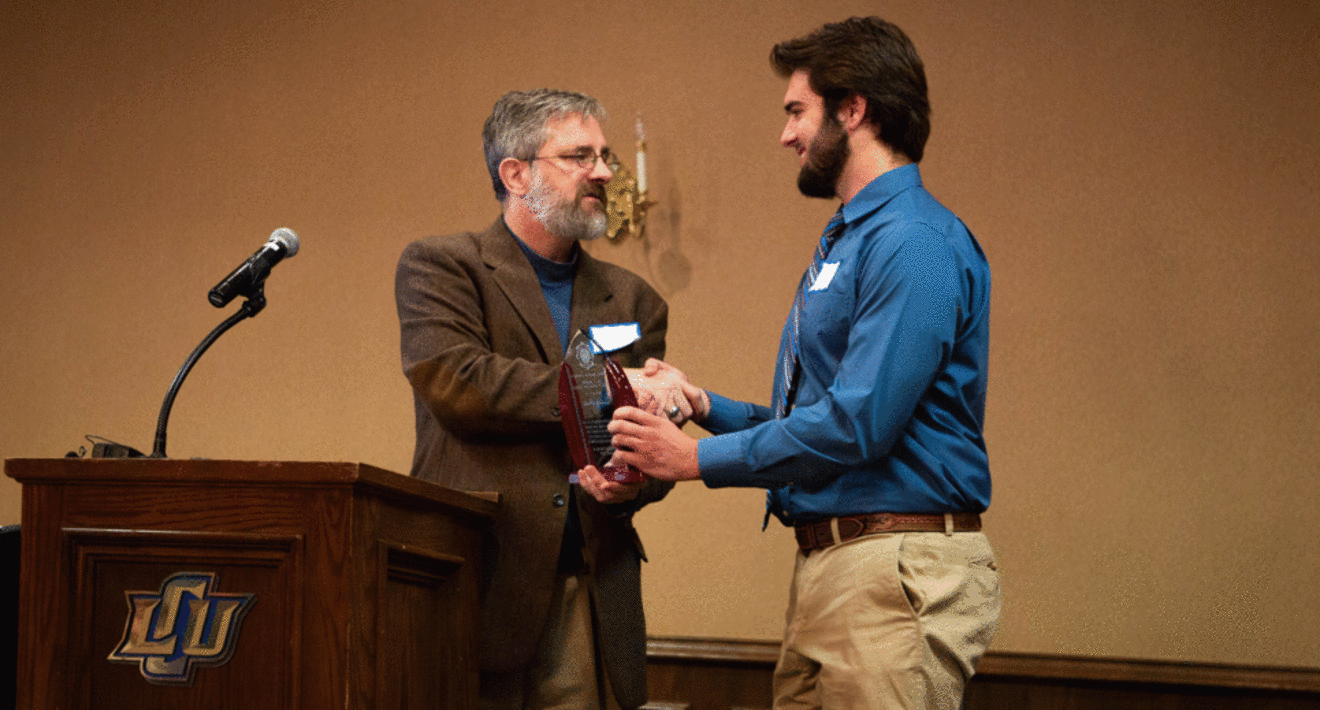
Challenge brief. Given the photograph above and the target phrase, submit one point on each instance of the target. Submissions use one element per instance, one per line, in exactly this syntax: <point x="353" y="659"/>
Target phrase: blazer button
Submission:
<point x="559" y="500"/>
<point x="555" y="411"/>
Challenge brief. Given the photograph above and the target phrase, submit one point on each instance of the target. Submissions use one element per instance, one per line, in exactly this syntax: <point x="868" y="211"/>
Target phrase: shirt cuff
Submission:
<point x="721" y="461"/>
<point x="728" y="415"/>
<point x="718" y="418"/>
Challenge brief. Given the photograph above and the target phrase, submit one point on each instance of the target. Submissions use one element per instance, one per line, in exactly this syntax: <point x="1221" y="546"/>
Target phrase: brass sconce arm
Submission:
<point x="626" y="198"/>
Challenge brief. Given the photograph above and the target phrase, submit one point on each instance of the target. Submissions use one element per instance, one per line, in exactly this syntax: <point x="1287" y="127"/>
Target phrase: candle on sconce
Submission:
<point x="641" y="155"/>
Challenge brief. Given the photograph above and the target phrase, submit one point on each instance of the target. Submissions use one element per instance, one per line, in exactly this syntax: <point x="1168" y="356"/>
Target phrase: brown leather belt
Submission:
<point x="814" y="536"/>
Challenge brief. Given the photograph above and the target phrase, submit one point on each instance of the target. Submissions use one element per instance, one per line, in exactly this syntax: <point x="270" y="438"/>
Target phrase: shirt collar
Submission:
<point x="881" y="190"/>
<point x="554" y="270"/>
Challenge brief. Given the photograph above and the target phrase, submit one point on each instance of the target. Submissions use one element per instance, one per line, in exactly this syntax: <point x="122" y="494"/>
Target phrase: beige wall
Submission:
<point x="1142" y="175"/>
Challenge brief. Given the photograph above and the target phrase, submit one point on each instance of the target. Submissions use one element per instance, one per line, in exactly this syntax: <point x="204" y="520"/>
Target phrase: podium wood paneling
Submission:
<point x="364" y="582"/>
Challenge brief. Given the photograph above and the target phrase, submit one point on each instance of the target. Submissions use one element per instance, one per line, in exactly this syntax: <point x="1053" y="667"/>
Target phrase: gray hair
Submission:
<point x="519" y="125"/>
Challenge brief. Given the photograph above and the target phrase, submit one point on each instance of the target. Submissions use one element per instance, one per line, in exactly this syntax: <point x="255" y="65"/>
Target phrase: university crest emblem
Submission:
<point x="185" y="625"/>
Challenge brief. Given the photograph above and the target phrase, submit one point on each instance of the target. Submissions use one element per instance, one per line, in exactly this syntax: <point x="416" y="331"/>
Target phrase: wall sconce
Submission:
<point x="626" y="200"/>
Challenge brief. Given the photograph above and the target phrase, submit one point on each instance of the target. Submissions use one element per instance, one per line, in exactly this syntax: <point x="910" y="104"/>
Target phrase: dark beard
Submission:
<point x="826" y="156"/>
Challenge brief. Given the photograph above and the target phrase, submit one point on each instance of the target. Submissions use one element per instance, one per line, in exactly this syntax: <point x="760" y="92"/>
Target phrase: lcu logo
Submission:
<point x="184" y="626"/>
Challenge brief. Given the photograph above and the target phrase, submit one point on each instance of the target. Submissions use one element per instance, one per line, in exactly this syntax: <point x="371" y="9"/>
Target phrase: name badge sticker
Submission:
<point x="615" y="336"/>
<point x="826" y="275"/>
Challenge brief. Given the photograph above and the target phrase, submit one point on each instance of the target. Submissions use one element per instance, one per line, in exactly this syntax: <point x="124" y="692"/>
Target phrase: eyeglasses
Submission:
<point x="585" y="159"/>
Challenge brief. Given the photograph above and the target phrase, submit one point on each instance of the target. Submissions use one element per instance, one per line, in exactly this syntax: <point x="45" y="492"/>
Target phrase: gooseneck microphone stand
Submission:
<point x="250" y="308"/>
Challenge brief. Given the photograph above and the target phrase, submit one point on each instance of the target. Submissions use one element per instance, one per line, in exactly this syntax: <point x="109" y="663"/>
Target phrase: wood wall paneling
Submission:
<point x="713" y="674"/>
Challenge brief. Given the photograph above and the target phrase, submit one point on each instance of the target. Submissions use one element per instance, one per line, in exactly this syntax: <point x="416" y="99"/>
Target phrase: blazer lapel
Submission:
<point x="513" y="273"/>
<point x="590" y="293"/>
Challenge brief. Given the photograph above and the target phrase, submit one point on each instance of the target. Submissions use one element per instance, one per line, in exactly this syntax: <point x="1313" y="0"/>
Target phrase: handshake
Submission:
<point x="663" y="390"/>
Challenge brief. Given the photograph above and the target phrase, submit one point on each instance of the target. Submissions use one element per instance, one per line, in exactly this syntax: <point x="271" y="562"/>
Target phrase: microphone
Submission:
<point x="249" y="277"/>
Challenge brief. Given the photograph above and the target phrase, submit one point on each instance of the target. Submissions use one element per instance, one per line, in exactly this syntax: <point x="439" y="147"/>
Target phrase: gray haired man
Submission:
<point x="484" y="320"/>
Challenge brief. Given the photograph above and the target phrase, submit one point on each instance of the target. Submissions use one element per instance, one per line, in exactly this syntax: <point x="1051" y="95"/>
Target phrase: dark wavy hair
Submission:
<point x="874" y="59"/>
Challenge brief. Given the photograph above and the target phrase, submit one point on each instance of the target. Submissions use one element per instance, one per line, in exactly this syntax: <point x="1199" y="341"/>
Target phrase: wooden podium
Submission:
<point x="160" y="583"/>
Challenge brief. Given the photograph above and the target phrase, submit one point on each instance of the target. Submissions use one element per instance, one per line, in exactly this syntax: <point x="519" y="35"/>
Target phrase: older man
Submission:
<point x="485" y="318"/>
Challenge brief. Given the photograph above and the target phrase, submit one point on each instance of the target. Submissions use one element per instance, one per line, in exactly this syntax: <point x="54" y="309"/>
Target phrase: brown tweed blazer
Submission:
<point x="482" y="354"/>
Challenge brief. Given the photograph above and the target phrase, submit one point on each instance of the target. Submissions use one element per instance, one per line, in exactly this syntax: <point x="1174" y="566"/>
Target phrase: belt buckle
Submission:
<point x="850" y="527"/>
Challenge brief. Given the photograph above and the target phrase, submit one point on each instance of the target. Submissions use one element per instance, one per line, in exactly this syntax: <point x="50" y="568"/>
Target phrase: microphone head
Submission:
<point x="286" y="238"/>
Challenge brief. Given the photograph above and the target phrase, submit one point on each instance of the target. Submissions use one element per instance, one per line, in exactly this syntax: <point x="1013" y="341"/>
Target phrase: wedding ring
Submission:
<point x="672" y="411"/>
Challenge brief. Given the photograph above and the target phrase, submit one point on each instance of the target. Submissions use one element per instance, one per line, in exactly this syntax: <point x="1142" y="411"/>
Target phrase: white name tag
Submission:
<point x="615" y="336"/>
<point x="825" y="276"/>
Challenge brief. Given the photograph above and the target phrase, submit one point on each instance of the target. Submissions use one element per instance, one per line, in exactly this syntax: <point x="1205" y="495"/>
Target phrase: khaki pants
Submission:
<point x="566" y="673"/>
<point x="893" y="621"/>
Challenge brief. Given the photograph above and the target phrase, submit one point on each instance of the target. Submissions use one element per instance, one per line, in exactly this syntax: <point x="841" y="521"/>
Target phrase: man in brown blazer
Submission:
<point x="485" y="318"/>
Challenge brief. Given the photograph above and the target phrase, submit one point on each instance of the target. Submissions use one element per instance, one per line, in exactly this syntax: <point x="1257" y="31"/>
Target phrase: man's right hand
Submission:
<point x="695" y="404"/>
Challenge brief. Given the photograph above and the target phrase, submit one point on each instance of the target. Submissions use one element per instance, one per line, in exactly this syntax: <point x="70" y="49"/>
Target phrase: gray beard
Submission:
<point x="563" y="218"/>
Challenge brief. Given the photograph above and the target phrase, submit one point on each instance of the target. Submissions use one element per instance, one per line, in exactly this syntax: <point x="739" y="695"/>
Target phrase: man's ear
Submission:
<point x="852" y="111"/>
<point x="516" y="175"/>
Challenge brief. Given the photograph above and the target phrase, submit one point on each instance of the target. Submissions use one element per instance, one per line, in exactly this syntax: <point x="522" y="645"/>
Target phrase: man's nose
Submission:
<point x="600" y="170"/>
<point x="787" y="137"/>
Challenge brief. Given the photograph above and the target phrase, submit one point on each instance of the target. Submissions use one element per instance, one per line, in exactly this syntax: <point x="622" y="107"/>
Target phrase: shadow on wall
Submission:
<point x="667" y="268"/>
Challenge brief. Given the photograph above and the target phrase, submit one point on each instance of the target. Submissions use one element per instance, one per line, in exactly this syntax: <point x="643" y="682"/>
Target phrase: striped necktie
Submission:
<point x="789" y="355"/>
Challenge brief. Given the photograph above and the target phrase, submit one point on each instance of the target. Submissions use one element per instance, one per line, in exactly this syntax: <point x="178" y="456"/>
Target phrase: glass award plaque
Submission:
<point x="591" y="387"/>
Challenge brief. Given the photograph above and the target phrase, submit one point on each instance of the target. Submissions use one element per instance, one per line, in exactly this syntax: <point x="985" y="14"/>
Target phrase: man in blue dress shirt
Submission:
<point x="873" y="446"/>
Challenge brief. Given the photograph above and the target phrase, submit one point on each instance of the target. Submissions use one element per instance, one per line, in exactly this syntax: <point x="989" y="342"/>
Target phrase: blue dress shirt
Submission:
<point x="890" y="402"/>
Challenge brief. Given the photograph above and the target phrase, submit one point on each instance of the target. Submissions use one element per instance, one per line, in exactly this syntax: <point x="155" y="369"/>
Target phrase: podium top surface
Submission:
<point x="212" y="472"/>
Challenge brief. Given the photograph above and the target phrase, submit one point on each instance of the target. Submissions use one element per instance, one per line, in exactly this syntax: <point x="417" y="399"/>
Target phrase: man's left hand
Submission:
<point x="654" y="445"/>
<point x="603" y="489"/>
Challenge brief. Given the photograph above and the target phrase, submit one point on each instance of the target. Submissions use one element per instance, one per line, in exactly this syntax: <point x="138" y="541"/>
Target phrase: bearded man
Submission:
<point x="484" y="320"/>
<point x="873" y="447"/>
